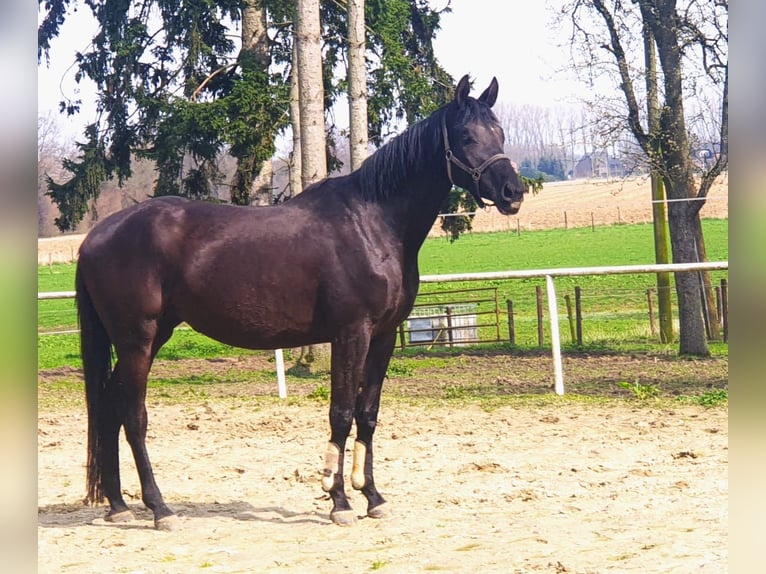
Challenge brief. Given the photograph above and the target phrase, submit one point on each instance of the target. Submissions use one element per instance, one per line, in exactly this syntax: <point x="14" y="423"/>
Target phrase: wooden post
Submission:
<point x="725" y="309"/>
<point x="578" y="314"/>
<point x="570" y="317"/>
<point x="497" y="318"/>
<point x="619" y="215"/>
<point x="652" y="326"/>
<point x="511" y="325"/>
<point x="540" y="332"/>
<point x="518" y="227"/>
<point x="592" y="222"/>
<point x="401" y="335"/>
<point x="566" y="224"/>
<point x="448" y="312"/>
<point x="718" y="305"/>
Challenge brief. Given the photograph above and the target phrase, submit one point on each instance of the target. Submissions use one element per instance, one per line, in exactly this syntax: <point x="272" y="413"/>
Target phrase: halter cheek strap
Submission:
<point x="474" y="172"/>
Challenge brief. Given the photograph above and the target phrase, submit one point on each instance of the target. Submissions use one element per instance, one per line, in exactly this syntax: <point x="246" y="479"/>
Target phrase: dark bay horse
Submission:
<point x="338" y="263"/>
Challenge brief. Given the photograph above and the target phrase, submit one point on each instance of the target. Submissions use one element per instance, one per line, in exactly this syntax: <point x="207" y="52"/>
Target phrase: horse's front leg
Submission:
<point x="366" y="414"/>
<point x="347" y="369"/>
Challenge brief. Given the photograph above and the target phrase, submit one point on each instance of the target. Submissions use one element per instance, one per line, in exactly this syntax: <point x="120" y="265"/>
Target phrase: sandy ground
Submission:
<point x="561" y="204"/>
<point x="547" y="486"/>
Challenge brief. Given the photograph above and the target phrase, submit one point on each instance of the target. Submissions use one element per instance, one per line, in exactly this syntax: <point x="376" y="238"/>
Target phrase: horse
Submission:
<point x="338" y="263"/>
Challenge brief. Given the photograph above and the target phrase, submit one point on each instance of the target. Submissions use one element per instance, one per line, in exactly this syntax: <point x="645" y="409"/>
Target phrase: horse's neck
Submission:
<point x="424" y="200"/>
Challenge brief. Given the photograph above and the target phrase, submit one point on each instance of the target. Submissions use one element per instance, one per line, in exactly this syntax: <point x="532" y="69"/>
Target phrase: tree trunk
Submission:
<point x="295" y="119"/>
<point x="357" y="84"/>
<point x="311" y="93"/>
<point x="312" y="130"/>
<point x="662" y="255"/>
<point x="692" y="339"/>
<point x="679" y="182"/>
<point x="251" y="186"/>
<point x="263" y="185"/>
<point x="659" y="208"/>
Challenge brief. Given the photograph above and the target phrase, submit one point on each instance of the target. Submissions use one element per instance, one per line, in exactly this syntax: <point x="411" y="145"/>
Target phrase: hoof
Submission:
<point x="343" y="517"/>
<point x="380" y="511"/>
<point x="168" y="523"/>
<point x="122" y="516"/>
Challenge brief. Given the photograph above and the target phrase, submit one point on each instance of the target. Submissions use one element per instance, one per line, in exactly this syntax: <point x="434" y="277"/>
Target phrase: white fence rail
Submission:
<point x="548" y="274"/>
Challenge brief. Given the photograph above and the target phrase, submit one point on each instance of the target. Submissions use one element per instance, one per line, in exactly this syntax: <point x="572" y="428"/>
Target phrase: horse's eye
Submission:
<point x="468" y="140"/>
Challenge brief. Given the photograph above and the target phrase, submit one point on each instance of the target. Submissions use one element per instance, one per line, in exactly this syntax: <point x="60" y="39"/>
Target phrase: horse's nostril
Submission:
<point x="509" y="193"/>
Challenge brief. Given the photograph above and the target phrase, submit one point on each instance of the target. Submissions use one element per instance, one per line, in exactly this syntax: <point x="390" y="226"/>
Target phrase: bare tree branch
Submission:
<point x="634" y="118"/>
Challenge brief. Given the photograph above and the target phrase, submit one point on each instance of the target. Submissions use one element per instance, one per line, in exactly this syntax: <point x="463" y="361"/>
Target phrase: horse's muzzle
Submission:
<point x="511" y="209"/>
<point x="511" y="203"/>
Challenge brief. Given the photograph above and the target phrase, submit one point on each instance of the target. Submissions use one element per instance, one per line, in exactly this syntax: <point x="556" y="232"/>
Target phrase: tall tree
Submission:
<point x="357" y="84"/>
<point x="686" y="33"/>
<point x="173" y="85"/>
<point x="312" y="127"/>
<point x="310" y="93"/>
<point x="296" y="169"/>
<point x="659" y="209"/>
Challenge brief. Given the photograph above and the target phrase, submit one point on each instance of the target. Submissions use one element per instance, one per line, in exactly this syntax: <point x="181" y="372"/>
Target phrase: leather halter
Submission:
<point x="474" y="172"/>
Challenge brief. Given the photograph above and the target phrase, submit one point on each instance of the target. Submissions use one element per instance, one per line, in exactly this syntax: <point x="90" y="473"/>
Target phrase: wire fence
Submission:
<point x="512" y="311"/>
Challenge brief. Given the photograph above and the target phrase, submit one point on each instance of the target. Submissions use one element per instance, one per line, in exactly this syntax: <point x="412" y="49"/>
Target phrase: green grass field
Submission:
<point x="614" y="306"/>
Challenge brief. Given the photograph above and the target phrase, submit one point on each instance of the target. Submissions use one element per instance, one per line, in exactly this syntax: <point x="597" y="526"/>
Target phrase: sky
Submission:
<point x="512" y="40"/>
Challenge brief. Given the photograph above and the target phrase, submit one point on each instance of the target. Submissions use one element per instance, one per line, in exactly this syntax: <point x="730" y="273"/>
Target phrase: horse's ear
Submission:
<point x="462" y="90"/>
<point x="489" y="96"/>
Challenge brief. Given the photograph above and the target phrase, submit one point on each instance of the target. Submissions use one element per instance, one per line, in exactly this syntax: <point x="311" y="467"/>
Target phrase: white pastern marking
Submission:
<point x="357" y="470"/>
<point x="331" y="466"/>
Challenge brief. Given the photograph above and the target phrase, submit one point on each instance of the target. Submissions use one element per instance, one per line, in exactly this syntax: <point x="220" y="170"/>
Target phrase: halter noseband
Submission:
<point x="474" y="172"/>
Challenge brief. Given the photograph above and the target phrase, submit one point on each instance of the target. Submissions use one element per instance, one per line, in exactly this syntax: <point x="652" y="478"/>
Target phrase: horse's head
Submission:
<point x="473" y="142"/>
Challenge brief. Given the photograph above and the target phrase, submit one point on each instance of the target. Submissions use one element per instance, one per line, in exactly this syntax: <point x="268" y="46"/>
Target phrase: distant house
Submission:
<point x="598" y="164"/>
<point x="705" y="154"/>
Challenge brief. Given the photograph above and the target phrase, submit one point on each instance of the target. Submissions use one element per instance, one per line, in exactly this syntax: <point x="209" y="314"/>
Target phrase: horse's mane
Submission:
<point x="384" y="172"/>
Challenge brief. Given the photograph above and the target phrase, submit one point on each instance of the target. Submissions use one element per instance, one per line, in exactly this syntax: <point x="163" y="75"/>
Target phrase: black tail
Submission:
<point x="96" y="351"/>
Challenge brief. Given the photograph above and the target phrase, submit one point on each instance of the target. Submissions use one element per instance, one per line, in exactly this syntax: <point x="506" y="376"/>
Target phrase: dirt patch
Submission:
<point x="532" y="485"/>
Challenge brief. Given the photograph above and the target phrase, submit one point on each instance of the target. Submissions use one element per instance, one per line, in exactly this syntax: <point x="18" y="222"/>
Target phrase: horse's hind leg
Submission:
<point x="136" y="362"/>
<point x="109" y="425"/>
<point x="366" y="415"/>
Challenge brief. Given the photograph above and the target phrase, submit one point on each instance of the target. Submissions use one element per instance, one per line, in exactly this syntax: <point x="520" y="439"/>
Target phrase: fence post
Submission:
<point x="725" y="309"/>
<point x="448" y="313"/>
<point x="540" y="332"/>
<point x="578" y="314"/>
<point x="553" y="312"/>
<point x="401" y="336"/>
<point x="280" y="364"/>
<point x="718" y="305"/>
<point x="497" y="317"/>
<point x="511" y="325"/>
<point x="570" y="317"/>
<point x="650" y="302"/>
